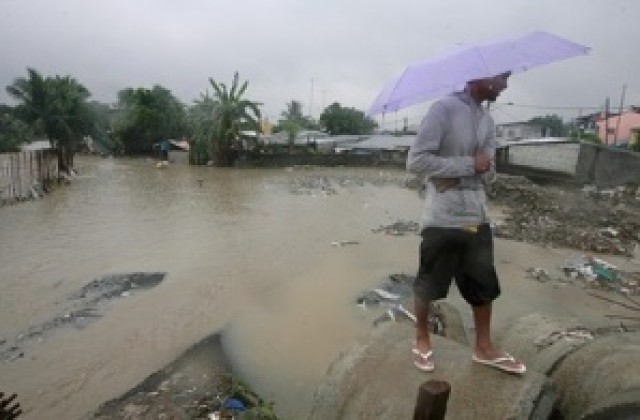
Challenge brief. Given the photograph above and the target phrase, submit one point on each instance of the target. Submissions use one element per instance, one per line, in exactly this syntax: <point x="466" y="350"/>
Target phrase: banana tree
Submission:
<point x="232" y="113"/>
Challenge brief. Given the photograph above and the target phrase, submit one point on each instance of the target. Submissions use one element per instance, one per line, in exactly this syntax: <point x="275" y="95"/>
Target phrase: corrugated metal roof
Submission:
<point x="385" y="142"/>
<point x="37" y="145"/>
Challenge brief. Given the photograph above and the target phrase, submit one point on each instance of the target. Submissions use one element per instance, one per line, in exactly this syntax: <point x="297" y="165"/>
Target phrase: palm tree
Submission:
<point x="56" y="107"/>
<point x="232" y="113"/>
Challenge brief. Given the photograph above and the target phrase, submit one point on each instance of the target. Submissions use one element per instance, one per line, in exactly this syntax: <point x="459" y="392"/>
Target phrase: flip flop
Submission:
<point x="423" y="361"/>
<point x="499" y="363"/>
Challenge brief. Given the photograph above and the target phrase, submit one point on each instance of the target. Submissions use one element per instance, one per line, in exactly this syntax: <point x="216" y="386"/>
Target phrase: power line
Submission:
<point x="548" y="106"/>
<point x="500" y="108"/>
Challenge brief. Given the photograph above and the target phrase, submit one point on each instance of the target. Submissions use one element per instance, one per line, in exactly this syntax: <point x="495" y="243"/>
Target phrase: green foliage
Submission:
<point x="200" y="121"/>
<point x="293" y="121"/>
<point x="590" y="137"/>
<point x="232" y="114"/>
<point x="147" y="116"/>
<point x="13" y="133"/>
<point x="56" y="106"/>
<point x="552" y="125"/>
<point x="338" y="120"/>
<point x="294" y="113"/>
<point x="101" y="129"/>
<point x="292" y="128"/>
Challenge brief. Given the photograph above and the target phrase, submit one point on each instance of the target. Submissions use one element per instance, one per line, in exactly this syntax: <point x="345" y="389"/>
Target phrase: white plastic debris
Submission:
<point x="386" y="295"/>
<point x="343" y="243"/>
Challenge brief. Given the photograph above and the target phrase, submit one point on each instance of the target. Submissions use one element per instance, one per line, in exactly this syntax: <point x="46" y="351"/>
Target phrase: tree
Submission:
<point x="200" y="122"/>
<point x="147" y="116"/>
<point x="552" y="125"/>
<point x="13" y="132"/>
<point x="101" y="129"/>
<point x="293" y="112"/>
<point x="232" y="114"/>
<point x="293" y="121"/>
<point x="338" y="120"/>
<point x="55" y="106"/>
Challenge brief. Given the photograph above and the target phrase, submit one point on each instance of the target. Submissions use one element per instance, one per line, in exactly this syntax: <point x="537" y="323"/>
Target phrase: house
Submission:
<point x="621" y="129"/>
<point x="514" y="131"/>
<point x="587" y="124"/>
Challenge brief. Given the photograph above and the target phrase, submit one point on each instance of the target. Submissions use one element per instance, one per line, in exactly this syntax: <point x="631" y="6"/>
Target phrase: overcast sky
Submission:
<point x="315" y="51"/>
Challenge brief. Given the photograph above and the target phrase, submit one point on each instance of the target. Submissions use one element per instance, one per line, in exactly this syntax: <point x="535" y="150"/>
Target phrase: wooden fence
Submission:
<point x="23" y="173"/>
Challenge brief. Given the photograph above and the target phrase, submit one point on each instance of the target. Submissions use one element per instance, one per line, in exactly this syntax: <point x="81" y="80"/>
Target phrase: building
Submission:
<point x="621" y="129"/>
<point x="515" y="131"/>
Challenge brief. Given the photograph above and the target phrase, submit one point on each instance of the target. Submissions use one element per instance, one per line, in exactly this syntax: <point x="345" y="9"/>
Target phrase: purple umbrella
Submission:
<point x="449" y="72"/>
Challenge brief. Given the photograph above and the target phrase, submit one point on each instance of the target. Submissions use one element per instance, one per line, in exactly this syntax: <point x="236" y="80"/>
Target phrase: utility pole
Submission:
<point x="606" y="121"/>
<point x="311" y="100"/>
<point x="615" y="138"/>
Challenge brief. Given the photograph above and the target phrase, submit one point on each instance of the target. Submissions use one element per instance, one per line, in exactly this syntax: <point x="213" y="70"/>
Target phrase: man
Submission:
<point x="454" y="151"/>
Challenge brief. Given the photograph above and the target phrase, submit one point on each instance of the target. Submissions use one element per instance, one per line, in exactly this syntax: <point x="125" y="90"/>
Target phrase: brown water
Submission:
<point x="248" y="249"/>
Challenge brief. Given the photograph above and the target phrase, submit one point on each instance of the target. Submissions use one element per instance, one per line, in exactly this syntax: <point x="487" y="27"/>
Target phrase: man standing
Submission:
<point x="454" y="151"/>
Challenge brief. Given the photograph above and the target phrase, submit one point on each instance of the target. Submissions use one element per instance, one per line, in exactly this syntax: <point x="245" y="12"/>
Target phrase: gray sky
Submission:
<point x="315" y="51"/>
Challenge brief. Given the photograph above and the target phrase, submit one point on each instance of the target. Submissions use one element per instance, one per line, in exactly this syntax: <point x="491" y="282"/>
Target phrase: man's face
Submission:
<point x="493" y="86"/>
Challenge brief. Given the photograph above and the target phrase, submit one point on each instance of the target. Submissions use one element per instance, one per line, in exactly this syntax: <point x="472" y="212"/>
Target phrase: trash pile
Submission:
<point x="593" y="273"/>
<point x="390" y="300"/>
<point x="606" y="222"/>
<point x="399" y="228"/>
<point x="197" y="385"/>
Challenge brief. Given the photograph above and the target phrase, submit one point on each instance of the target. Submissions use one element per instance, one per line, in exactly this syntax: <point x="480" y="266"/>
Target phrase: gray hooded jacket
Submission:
<point x="454" y="130"/>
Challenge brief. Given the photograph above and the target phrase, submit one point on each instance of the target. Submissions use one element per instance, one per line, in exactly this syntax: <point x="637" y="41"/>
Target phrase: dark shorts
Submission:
<point x="467" y="257"/>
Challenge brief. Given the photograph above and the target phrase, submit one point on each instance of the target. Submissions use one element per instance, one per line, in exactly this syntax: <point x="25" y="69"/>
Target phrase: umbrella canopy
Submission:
<point x="450" y="72"/>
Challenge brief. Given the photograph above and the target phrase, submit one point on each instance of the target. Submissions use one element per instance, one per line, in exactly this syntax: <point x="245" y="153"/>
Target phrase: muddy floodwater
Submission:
<point x="275" y="257"/>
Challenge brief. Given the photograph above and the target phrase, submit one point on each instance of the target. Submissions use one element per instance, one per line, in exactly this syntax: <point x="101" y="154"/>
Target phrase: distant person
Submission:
<point x="454" y="150"/>
<point x="164" y="150"/>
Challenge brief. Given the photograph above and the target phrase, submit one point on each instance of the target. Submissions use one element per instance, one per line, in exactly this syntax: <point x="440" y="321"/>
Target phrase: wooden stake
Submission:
<point x="432" y="400"/>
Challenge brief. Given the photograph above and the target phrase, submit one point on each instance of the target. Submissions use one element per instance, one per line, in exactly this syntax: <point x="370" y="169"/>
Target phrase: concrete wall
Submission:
<point x="554" y="157"/>
<point x="607" y="167"/>
<point x="585" y="163"/>
<point x="381" y="158"/>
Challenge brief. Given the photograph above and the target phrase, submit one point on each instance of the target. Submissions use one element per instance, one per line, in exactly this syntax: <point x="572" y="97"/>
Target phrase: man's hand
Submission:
<point x="481" y="163"/>
<point x="7" y="411"/>
<point x="443" y="184"/>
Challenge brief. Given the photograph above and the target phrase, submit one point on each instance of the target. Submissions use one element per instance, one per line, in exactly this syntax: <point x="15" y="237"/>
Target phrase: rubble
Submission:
<point x="605" y="222"/>
<point x="399" y="228"/>
<point x="591" y="273"/>
<point x="197" y="385"/>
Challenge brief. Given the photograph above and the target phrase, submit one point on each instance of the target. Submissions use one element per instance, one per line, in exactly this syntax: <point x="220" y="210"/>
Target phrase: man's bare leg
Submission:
<point x="423" y="342"/>
<point x="484" y="346"/>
